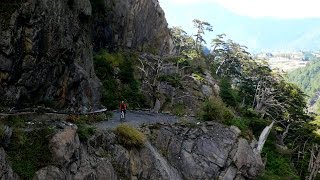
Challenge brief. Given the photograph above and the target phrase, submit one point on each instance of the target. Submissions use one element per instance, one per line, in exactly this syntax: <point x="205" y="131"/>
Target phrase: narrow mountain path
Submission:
<point x="138" y="118"/>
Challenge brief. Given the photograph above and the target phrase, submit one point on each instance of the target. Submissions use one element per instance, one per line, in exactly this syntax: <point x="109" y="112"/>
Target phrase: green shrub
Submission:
<point x="228" y="95"/>
<point x="179" y="109"/>
<point x="116" y="72"/>
<point x="174" y="80"/>
<point x="104" y="64"/>
<point x="278" y="166"/>
<point x="215" y="110"/>
<point x="241" y="123"/>
<point x="16" y="121"/>
<point x="29" y="151"/>
<point x="85" y="131"/>
<point x="130" y="136"/>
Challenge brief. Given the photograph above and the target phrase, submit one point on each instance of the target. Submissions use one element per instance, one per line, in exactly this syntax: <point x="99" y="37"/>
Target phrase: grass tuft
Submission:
<point x="130" y="136"/>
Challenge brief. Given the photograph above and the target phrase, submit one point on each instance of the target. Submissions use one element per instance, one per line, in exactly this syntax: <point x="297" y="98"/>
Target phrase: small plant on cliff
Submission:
<point x="215" y="110"/>
<point x="179" y="109"/>
<point x="16" y="121"/>
<point x="130" y="136"/>
<point x="29" y="151"/>
<point x="85" y="132"/>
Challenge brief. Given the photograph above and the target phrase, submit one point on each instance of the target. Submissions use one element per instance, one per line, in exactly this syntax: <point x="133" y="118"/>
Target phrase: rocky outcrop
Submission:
<point x="64" y="144"/>
<point x="208" y="152"/>
<point x="72" y="160"/>
<point x="6" y="136"/>
<point x="185" y="151"/>
<point x="6" y="172"/>
<point x="131" y="24"/>
<point x="46" y="54"/>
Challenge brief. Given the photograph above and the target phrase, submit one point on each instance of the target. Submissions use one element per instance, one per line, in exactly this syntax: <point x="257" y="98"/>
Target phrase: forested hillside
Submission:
<point x="308" y="79"/>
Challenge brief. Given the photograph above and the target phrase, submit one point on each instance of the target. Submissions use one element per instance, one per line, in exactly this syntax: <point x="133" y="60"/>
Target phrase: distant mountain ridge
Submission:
<point x="310" y="40"/>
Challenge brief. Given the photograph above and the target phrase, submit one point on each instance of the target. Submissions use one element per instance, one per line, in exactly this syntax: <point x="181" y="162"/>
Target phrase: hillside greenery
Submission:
<point x="116" y="71"/>
<point x="251" y="96"/>
<point x="307" y="78"/>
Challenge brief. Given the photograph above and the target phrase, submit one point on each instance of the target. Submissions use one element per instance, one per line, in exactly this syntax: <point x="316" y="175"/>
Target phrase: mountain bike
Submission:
<point x="122" y="115"/>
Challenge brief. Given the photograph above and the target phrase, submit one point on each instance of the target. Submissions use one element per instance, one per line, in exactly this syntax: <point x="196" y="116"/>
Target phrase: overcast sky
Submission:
<point x="258" y="24"/>
<point x="260" y="8"/>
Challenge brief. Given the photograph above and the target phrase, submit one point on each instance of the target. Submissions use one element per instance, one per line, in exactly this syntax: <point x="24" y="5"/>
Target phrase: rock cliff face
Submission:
<point x="46" y="47"/>
<point x="5" y="169"/>
<point x="133" y="24"/>
<point x="46" y="54"/>
<point x="207" y="151"/>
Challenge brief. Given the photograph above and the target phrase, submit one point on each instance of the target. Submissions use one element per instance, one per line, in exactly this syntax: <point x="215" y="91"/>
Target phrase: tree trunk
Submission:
<point x="263" y="137"/>
<point x="314" y="163"/>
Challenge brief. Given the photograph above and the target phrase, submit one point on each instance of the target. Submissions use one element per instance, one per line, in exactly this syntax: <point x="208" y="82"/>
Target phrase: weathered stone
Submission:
<point x="49" y="173"/>
<point x="91" y="167"/>
<point x="7" y="133"/>
<point x="207" y="90"/>
<point x="236" y="130"/>
<point x="6" y="172"/>
<point x="46" y="48"/>
<point x="5" y="64"/>
<point x="208" y="155"/>
<point x="246" y="161"/>
<point x="179" y="152"/>
<point x="64" y="144"/>
<point x="230" y="174"/>
<point x="140" y="25"/>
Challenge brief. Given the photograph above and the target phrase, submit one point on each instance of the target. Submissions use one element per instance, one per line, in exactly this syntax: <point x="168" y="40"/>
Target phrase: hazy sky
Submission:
<point x="259" y="8"/>
<point x="259" y="24"/>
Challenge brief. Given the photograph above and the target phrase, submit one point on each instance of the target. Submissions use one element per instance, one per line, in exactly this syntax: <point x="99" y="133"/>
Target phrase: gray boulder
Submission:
<point x="6" y="172"/>
<point x="49" y="173"/>
<point x="7" y="133"/>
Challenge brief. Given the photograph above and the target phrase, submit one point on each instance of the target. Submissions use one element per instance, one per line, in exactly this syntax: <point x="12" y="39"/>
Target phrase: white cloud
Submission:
<point x="264" y="8"/>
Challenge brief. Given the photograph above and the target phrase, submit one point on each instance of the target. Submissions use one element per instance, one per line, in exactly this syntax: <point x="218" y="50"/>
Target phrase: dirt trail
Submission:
<point x="137" y="118"/>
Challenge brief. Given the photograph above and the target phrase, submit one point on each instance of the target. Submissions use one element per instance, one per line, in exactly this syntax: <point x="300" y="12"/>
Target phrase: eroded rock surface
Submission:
<point x="199" y="151"/>
<point x="6" y="172"/>
<point x="133" y="24"/>
<point x="207" y="152"/>
<point x="46" y="54"/>
<point x="46" y="47"/>
<point x="72" y="159"/>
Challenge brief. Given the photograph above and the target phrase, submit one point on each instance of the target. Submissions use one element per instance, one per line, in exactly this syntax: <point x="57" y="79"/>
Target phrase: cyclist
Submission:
<point x="123" y="108"/>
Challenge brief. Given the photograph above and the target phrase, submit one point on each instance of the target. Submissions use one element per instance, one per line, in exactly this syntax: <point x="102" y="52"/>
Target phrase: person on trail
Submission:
<point x="123" y="107"/>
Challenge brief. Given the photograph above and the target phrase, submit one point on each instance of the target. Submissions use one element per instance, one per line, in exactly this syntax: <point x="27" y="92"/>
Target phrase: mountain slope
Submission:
<point x="308" y="79"/>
